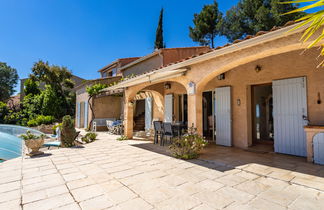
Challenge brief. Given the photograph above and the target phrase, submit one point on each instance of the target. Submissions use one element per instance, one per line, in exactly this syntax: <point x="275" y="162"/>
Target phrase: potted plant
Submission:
<point x="33" y="142"/>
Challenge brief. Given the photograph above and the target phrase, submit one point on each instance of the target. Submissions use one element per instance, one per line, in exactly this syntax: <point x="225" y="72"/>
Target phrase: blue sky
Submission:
<point x="85" y="35"/>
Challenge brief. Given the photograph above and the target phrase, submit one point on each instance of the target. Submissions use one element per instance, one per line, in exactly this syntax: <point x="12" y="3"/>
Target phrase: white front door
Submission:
<point x="289" y="113"/>
<point x="148" y="113"/>
<point x="223" y="116"/>
<point x="168" y="108"/>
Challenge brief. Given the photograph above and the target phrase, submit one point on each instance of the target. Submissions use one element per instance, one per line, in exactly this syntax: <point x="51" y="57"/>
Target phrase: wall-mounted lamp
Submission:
<point x="238" y="101"/>
<point x="167" y="86"/>
<point x="131" y="103"/>
<point x="221" y="76"/>
<point x="258" y="68"/>
<point x="319" y="101"/>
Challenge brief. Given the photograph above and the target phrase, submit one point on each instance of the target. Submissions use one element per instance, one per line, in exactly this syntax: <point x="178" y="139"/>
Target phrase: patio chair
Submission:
<point x="94" y="127"/>
<point x="115" y="127"/>
<point x="157" y="131"/>
<point x="167" y="133"/>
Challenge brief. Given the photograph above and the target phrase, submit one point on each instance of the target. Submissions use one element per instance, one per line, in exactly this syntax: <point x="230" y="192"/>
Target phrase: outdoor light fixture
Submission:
<point x="221" y="76"/>
<point x="258" y="68"/>
<point x="167" y="86"/>
<point x="238" y="101"/>
<point x="319" y="101"/>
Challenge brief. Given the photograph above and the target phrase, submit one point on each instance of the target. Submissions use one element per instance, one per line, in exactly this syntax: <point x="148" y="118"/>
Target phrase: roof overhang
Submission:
<point x="178" y="69"/>
<point x="154" y="76"/>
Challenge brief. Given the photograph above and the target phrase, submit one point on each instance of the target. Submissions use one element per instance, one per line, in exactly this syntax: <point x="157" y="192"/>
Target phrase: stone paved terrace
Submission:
<point x="109" y="174"/>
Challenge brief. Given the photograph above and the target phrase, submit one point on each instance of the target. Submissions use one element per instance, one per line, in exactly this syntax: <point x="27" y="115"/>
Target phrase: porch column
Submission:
<point x="195" y="112"/>
<point x="128" y="118"/>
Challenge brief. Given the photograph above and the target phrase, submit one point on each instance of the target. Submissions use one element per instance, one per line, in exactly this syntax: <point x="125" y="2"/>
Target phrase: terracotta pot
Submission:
<point x="34" y="145"/>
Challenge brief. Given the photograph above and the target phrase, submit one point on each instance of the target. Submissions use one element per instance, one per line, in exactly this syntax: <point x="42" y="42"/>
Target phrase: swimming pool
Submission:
<point x="10" y="143"/>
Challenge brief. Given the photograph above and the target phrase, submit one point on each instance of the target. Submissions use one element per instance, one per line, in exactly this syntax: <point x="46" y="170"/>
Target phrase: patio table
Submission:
<point x="178" y="127"/>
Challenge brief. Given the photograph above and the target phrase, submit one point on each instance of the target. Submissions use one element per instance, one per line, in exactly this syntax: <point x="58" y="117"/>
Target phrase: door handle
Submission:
<point x="306" y="118"/>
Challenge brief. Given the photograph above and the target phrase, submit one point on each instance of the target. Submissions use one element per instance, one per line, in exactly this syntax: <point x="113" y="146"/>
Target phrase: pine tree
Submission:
<point x="251" y="16"/>
<point x="207" y="25"/>
<point x="159" y="33"/>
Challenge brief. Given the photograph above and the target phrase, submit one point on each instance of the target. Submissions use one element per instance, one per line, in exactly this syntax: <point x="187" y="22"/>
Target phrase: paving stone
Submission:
<point x="190" y="188"/>
<point x="58" y="190"/>
<point x="213" y="199"/>
<point x="252" y="187"/>
<point x="11" y="205"/>
<point x="234" y="194"/>
<point x="121" y="195"/>
<point x="80" y="183"/>
<point x="111" y="185"/>
<point x="50" y="203"/>
<point x="231" y="180"/>
<point x="87" y="192"/>
<point x="203" y="207"/>
<point x="172" y="180"/>
<point x="160" y="194"/>
<point x="210" y="185"/>
<point x="179" y="202"/>
<point x="9" y="196"/>
<point x="135" y="204"/>
<point x="260" y="203"/>
<point x="277" y="196"/>
<point x="72" y="206"/>
<point x="9" y="186"/>
<point x="100" y="202"/>
<point x="307" y="203"/>
<point x="34" y="196"/>
<point x="73" y="176"/>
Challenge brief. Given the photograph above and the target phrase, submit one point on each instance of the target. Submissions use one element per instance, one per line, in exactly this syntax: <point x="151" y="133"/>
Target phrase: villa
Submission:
<point x="110" y="104"/>
<point x="263" y="89"/>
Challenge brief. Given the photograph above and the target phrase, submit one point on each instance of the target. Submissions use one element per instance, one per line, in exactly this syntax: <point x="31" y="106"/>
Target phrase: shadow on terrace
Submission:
<point x="278" y="166"/>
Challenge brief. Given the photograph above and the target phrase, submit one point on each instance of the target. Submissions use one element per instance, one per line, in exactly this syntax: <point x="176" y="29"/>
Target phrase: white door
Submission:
<point x="318" y="146"/>
<point x="168" y="108"/>
<point x="86" y="114"/>
<point x="78" y="114"/>
<point x="148" y="113"/>
<point x="223" y="116"/>
<point x="289" y="112"/>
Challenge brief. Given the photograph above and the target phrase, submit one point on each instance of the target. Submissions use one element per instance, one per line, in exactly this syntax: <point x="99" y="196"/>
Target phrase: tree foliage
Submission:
<point x="251" y="16"/>
<point x="207" y="25"/>
<point x="315" y="21"/>
<point x="8" y="81"/>
<point x="92" y="91"/>
<point x="159" y="42"/>
<point x="57" y="99"/>
<point x="31" y="87"/>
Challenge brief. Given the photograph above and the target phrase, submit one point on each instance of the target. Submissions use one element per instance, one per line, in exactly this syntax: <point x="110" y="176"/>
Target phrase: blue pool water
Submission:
<point x="10" y="143"/>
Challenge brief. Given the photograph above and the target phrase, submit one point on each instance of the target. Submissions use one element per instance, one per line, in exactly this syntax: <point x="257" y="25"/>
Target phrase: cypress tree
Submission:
<point x="159" y="33"/>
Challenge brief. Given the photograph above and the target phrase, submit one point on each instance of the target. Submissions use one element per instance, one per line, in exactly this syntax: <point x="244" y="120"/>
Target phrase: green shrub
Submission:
<point x="29" y="136"/>
<point x="32" y="123"/>
<point x="89" y="137"/>
<point x="188" y="146"/>
<point x="122" y="138"/>
<point x="40" y="120"/>
<point x="3" y="111"/>
<point x="68" y="131"/>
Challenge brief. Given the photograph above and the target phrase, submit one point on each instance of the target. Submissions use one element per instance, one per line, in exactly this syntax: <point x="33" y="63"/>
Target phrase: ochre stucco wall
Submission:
<point x="144" y="66"/>
<point x="282" y="66"/>
<point x="107" y="107"/>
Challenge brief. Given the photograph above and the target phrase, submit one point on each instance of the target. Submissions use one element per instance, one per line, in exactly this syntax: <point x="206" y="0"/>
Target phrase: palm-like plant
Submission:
<point x="315" y="21"/>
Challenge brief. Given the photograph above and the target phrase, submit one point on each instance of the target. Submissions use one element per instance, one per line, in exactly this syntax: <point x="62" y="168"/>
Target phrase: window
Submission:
<point x="104" y="74"/>
<point x="114" y="72"/>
